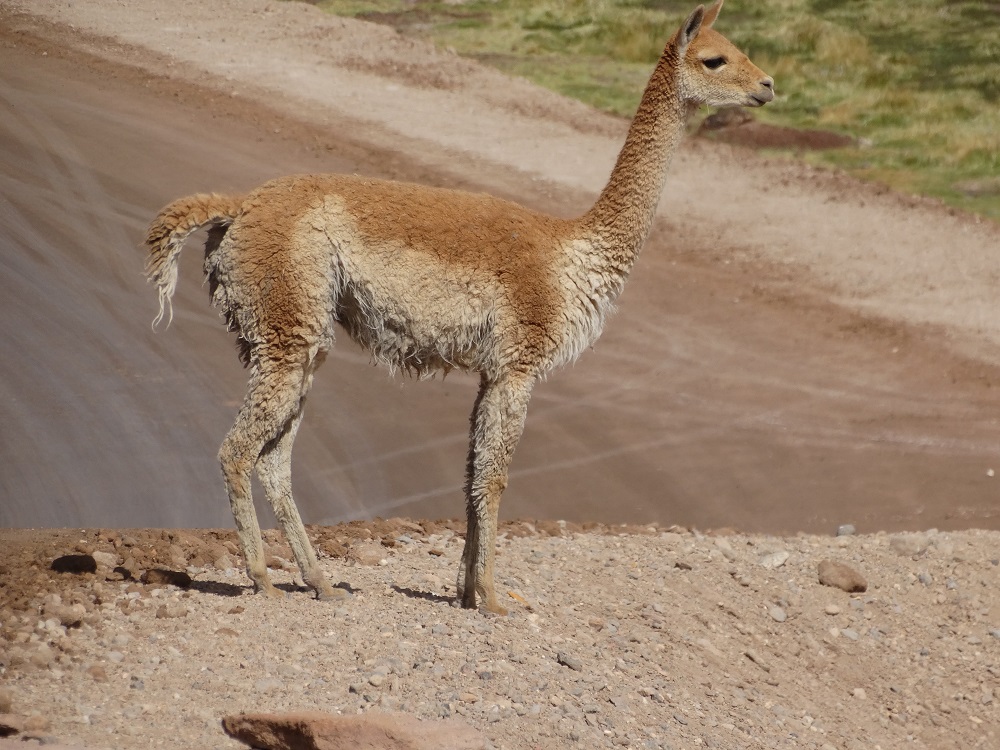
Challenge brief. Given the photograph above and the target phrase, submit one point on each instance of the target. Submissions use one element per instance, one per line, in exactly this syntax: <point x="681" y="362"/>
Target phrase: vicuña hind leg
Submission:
<point x="272" y="401"/>
<point x="497" y="424"/>
<point x="274" y="469"/>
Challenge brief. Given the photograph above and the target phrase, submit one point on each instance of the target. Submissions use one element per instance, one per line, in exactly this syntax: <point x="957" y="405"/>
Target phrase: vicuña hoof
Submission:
<point x="332" y="594"/>
<point x="494" y="608"/>
<point x="269" y="591"/>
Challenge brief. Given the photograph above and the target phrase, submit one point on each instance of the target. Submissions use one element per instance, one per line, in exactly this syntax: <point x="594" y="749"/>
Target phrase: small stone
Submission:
<point x="42" y="657"/>
<point x="774" y="560"/>
<point x="841" y="576"/>
<point x="620" y="702"/>
<point x="107" y="559"/>
<point x="69" y="617"/>
<point x="756" y="659"/>
<point x="859" y="693"/>
<point x="171" y="610"/>
<point x="850" y="633"/>
<point x="832" y="609"/>
<point x="37" y="723"/>
<point x="908" y="545"/>
<point x="726" y="549"/>
<point x="777" y="613"/>
<point x="568" y="660"/>
<point x="846" y="529"/>
<point x="367" y="553"/>
<point x="97" y="673"/>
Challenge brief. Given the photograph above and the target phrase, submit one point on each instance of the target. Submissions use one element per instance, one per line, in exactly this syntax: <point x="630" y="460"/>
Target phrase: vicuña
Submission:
<point x="429" y="280"/>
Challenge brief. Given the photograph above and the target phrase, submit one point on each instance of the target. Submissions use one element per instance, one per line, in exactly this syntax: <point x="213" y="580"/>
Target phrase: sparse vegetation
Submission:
<point x="917" y="83"/>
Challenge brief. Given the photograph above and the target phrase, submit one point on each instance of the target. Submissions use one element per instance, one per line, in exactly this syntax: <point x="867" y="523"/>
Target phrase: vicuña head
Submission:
<point x="714" y="71"/>
<point x="429" y="280"/>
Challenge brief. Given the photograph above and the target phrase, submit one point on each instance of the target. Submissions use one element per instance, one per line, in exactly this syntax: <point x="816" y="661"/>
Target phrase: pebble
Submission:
<point x="841" y="575"/>
<point x="846" y="529"/>
<point x="726" y="549"/>
<point x="774" y="559"/>
<point x="777" y="613"/>
<point x="570" y="661"/>
<point x="171" y="610"/>
<point x="107" y="559"/>
<point x="832" y="609"/>
<point x="908" y="545"/>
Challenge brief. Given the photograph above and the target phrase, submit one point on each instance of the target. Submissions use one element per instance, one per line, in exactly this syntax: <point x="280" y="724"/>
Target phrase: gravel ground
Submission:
<point x="617" y="637"/>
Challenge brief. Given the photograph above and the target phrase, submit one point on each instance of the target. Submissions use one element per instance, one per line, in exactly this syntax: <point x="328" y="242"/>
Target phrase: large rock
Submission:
<point x="314" y="730"/>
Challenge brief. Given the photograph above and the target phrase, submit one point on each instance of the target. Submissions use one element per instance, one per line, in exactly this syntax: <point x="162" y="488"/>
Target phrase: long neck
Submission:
<point x="620" y="220"/>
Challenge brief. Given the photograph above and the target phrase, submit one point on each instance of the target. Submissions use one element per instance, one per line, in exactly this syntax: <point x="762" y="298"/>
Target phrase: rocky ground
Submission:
<point x="617" y="637"/>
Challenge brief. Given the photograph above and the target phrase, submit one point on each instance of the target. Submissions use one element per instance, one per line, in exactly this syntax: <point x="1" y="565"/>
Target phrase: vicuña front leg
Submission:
<point x="497" y="424"/>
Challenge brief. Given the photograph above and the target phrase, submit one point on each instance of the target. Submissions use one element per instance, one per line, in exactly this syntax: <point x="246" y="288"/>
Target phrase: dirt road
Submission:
<point x="794" y="351"/>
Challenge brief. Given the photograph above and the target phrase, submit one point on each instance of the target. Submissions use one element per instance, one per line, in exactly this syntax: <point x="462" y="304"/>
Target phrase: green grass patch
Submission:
<point x="918" y="83"/>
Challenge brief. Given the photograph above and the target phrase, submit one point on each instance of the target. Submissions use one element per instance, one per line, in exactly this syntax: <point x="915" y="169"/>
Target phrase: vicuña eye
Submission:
<point x="714" y="63"/>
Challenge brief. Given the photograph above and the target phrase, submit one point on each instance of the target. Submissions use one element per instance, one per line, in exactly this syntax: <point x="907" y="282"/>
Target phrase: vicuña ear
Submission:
<point x="712" y="13"/>
<point x="689" y="30"/>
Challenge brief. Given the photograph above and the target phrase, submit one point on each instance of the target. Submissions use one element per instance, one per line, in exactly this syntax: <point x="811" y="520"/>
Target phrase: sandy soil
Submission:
<point x="795" y="351"/>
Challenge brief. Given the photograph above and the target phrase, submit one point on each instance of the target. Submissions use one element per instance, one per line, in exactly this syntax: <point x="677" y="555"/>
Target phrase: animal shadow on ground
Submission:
<point x="425" y="595"/>
<point x="218" y="588"/>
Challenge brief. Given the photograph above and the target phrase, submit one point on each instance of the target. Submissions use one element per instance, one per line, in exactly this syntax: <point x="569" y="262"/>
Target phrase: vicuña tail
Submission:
<point x="171" y="228"/>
